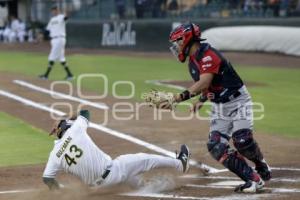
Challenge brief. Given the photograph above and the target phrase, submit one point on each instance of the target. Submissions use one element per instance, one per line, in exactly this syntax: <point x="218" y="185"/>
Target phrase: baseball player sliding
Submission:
<point x="232" y="116"/>
<point x="76" y="153"/>
<point x="57" y="30"/>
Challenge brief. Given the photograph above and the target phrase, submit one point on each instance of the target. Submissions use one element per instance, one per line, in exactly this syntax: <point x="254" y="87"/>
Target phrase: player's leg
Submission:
<point x="126" y="167"/>
<point x="135" y="164"/>
<point x="244" y="141"/>
<point x="67" y="69"/>
<point x="48" y="70"/>
<point x="218" y="146"/>
<point x="1" y="34"/>
<point x="21" y="36"/>
<point x="12" y="37"/>
<point x="53" y="56"/>
<point x="63" y="59"/>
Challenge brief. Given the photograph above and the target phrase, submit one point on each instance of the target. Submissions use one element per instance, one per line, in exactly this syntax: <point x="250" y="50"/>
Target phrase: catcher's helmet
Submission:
<point x="182" y="38"/>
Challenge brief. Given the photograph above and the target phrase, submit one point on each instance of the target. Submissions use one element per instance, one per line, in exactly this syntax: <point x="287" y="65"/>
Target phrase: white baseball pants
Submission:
<point x="57" y="52"/>
<point x="127" y="168"/>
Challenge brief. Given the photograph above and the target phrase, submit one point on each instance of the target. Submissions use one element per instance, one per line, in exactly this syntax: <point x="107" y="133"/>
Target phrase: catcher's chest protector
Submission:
<point x="208" y="60"/>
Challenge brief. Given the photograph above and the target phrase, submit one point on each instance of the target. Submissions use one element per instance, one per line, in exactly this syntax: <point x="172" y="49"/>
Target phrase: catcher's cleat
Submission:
<point x="250" y="187"/>
<point x="184" y="157"/>
<point x="264" y="170"/>
<point x="43" y="77"/>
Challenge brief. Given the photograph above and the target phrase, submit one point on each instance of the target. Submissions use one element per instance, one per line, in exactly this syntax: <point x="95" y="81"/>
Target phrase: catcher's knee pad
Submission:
<point x="246" y="145"/>
<point x="216" y="147"/>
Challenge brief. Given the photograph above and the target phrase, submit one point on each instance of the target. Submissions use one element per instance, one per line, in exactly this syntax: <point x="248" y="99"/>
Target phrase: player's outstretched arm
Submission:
<point x="163" y="100"/>
<point x="51" y="183"/>
<point x="200" y="86"/>
<point x="83" y="113"/>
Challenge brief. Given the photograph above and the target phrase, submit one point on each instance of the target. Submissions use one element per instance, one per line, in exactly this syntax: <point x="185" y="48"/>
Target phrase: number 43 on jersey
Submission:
<point x="78" y="153"/>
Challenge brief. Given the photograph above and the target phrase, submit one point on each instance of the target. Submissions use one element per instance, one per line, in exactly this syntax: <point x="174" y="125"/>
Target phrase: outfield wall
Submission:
<point x="147" y="35"/>
<point x="279" y="39"/>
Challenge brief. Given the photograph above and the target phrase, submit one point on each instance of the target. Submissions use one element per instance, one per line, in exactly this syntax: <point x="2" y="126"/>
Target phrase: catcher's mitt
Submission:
<point x="160" y="99"/>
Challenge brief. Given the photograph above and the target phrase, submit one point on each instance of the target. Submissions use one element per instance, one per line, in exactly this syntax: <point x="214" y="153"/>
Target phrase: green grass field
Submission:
<point x="22" y="144"/>
<point x="280" y="95"/>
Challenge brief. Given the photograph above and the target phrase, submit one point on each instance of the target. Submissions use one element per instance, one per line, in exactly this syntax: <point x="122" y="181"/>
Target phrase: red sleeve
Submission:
<point x="210" y="63"/>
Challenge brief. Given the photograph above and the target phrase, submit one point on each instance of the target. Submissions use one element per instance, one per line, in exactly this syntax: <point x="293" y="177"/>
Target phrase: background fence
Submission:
<point x="170" y="9"/>
<point x="151" y="35"/>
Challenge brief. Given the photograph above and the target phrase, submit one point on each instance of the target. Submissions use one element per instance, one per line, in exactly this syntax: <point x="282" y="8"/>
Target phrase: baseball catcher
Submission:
<point x="76" y="153"/>
<point x="216" y="80"/>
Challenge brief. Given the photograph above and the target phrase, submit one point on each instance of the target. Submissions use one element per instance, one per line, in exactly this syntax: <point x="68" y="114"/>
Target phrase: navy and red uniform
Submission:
<point x="231" y="112"/>
<point x="226" y="82"/>
<point x="226" y="85"/>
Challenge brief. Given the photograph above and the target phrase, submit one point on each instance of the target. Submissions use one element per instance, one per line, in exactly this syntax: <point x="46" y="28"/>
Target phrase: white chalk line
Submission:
<point x="60" y="95"/>
<point x="159" y="83"/>
<point x="45" y="108"/>
<point x="103" y="106"/>
<point x="233" y="184"/>
<point x="211" y="170"/>
<point x="104" y="129"/>
<point x="174" y="196"/>
<point x="152" y="195"/>
<point x="164" y="196"/>
<point x="286" y="169"/>
<point x="197" y="176"/>
<point x="16" y="191"/>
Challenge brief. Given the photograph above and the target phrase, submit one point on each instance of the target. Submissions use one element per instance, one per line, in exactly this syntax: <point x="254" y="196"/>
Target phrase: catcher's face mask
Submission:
<point x="176" y="50"/>
<point x="182" y="37"/>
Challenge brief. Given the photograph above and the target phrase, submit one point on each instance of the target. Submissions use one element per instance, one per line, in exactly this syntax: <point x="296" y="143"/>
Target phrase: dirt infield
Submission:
<point x="25" y="182"/>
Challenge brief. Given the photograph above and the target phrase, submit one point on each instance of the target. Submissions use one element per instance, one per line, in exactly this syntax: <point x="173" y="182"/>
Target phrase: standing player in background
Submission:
<point x="231" y="117"/>
<point x="76" y="153"/>
<point x="3" y="18"/>
<point x="21" y="33"/>
<point x="57" y="30"/>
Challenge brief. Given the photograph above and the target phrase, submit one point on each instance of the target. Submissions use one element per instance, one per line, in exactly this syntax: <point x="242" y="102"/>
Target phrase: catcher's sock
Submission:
<point x="69" y="74"/>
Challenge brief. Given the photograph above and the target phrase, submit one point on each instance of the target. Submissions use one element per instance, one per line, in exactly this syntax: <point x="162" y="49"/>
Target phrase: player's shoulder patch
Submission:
<point x="206" y="59"/>
<point x="210" y="62"/>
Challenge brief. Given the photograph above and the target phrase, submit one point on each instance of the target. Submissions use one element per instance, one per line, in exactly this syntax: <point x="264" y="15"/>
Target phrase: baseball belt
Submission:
<point x="105" y="174"/>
